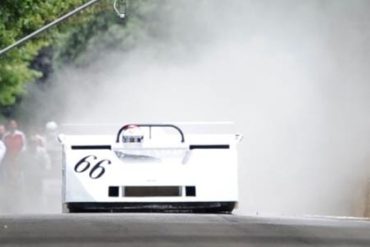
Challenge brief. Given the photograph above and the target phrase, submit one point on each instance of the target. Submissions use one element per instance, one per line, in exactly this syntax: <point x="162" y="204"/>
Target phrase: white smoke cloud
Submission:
<point x="292" y="74"/>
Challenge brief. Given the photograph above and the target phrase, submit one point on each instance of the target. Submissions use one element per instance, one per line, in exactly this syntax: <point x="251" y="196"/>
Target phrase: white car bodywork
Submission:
<point x="194" y="172"/>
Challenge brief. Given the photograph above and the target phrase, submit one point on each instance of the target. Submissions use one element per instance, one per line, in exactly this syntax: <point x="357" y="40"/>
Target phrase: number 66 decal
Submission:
<point x="97" y="170"/>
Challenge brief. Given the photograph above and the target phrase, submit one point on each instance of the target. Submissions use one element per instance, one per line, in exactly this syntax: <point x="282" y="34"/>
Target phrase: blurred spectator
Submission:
<point x="2" y="145"/>
<point x="36" y="164"/>
<point x="2" y="151"/>
<point x="15" y="142"/>
<point x="37" y="138"/>
<point x="53" y="146"/>
<point x="52" y="136"/>
<point x="2" y="131"/>
<point x="38" y="153"/>
<point x="2" y="154"/>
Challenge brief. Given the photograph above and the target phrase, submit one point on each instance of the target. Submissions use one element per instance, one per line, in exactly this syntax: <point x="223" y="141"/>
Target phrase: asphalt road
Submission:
<point x="178" y="230"/>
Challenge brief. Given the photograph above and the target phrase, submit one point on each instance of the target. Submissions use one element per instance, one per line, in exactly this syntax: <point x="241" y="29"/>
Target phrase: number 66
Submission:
<point x="96" y="171"/>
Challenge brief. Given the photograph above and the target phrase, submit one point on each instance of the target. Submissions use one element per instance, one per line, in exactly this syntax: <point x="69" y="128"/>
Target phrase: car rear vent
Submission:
<point x="150" y="191"/>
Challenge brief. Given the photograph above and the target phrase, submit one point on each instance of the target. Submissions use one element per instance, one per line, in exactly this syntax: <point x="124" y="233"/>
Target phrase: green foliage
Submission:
<point x="105" y="31"/>
<point x="19" y="18"/>
<point x="74" y="42"/>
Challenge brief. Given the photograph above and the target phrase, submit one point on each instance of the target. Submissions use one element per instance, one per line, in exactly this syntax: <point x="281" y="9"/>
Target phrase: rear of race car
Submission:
<point x="142" y="170"/>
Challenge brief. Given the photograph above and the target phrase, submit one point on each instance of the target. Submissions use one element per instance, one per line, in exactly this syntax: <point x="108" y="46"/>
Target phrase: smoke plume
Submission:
<point x="293" y="76"/>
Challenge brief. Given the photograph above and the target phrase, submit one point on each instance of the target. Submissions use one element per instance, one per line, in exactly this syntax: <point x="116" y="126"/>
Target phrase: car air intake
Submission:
<point x="150" y="191"/>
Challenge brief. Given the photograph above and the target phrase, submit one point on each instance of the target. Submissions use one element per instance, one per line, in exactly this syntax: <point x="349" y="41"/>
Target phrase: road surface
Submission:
<point x="178" y="230"/>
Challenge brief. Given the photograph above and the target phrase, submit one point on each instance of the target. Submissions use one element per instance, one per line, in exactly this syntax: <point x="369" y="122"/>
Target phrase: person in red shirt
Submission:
<point x="14" y="140"/>
<point x="15" y="143"/>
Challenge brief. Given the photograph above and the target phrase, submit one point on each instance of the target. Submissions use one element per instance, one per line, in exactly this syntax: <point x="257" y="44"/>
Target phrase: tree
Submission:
<point x="18" y="18"/>
<point x="72" y="42"/>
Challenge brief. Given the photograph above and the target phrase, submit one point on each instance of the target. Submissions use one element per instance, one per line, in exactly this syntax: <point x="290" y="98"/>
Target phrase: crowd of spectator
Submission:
<point x="22" y="157"/>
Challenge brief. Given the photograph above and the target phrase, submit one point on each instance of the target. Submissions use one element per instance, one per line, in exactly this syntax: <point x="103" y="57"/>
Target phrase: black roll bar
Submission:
<point x="150" y="126"/>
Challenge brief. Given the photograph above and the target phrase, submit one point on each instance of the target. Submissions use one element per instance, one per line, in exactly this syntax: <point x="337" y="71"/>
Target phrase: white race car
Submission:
<point x="150" y="168"/>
